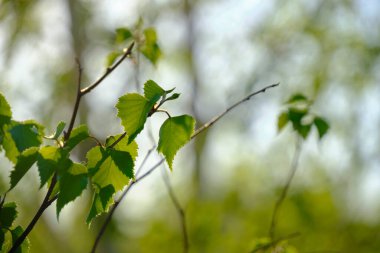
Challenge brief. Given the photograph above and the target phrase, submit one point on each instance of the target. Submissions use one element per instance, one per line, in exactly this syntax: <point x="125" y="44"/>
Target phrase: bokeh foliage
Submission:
<point x="328" y="50"/>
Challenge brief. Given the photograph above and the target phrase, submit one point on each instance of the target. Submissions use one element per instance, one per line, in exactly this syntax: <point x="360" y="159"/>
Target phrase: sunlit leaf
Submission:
<point x="78" y="135"/>
<point x="123" y="145"/>
<point x="101" y="202"/>
<point x="133" y="111"/>
<point x="19" y="136"/>
<point x="5" y="112"/>
<point x="58" y="131"/>
<point x="109" y="167"/>
<point x="8" y="214"/>
<point x="123" y="34"/>
<point x="174" y="133"/>
<point x="152" y="91"/>
<point x="72" y="184"/>
<point x="24" y="162"/>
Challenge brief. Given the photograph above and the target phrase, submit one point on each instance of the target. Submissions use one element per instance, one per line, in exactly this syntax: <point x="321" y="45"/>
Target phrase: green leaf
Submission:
<point x="109" y="167"/>
<point x="122" y="35"/>
<point x="173" y="97"/>
<point x="152" y="91"/>
<point x="174" y="133"/>
<point x="282" y="121"/>
<point x="5" y="112"/>
<point x="8" y="214"/>
<point x="5" y="240"/>
<point x="123" y="145"/>
<point x="101" y="202"/>
<point x="295" y="116"/>
<point x="58" y="131"/>
<point x="304" y="130"/>
<point x="24" y="162"/>
<point x="78" y="135"/>
<point x="19" y="136"/>
<point x="150" y="49"/>
<point x="111" y="58"/>
<point x="50" y="160"/>
<point x="133" y="110"/>
<point x="16" y="233"/>
<point x="322" y="126"/>
<point x="72" y="184"/>
<point x="298" y="97"/>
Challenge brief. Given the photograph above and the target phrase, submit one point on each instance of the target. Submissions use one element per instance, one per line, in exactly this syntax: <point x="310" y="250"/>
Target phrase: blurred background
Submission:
<point x="229" y="178"/>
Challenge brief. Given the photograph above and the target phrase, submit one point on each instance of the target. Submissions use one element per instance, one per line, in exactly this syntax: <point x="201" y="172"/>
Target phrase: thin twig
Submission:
<point x="180" y="210"/>
<point x="109" y="70"/>
<point x="212" y="122"/>
<point x="275" y="242"/>
<point x="118" y="140"/>
<point x="117" y="202"/>
<point x="284" y="192"/>
<point x="198" y="131"/>
<point x="144" y="160"/>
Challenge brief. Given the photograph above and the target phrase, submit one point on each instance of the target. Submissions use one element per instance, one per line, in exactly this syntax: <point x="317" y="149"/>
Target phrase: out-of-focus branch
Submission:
<point x="180" y="211"/>
<point x="284" y="191"/>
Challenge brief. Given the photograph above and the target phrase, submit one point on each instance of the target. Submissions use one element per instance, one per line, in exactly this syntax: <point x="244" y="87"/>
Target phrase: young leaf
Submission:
<point x="101" y="202"/>
<point x="5" y="240"/>
<point x="51" y="159"/>
<point x="109" y="167"/>
<point x="19" y="136"/>
<point x="173" y="97"/>
<point x="150" y="49"/>
<point x="322" y="126"/>
<point x="152" y="91"/>
<point x="282" y="121"/>
<point x="8" y="214"/>
<point x="123" y="145"/>
<point x="58" y="131"/>
<point x="78" y="135"/>
<point x="72" y="184"/>
<point x="122" y="35"/>
<point x="24" y="162"/>
<point x="174" y="133"/>
<point x="133" y="111"/>
<point x="5" y="112"/>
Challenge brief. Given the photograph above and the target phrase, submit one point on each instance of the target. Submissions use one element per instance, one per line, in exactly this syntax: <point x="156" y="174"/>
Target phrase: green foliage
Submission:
<point x="59" y="129"/>
<point x="150" y="48"/>
<point x="5" y="113"/>
<point x="19" y="136"/>
<point x="174" y="133"/>
<point x="71" y="185"/>
<point x="8" y="234"/>
<point x="8" y="214"/>
<point x="299" y="115"/>
<point x="24" y="162"/>
<point x="133" y="110"/>
<point x="78" y="135"/>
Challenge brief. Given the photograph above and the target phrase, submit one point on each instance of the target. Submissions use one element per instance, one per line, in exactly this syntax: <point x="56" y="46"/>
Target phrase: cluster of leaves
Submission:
<point x="145" y="38"/>
<point x="298" y="113"/>
<point x="109" y="167"/>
